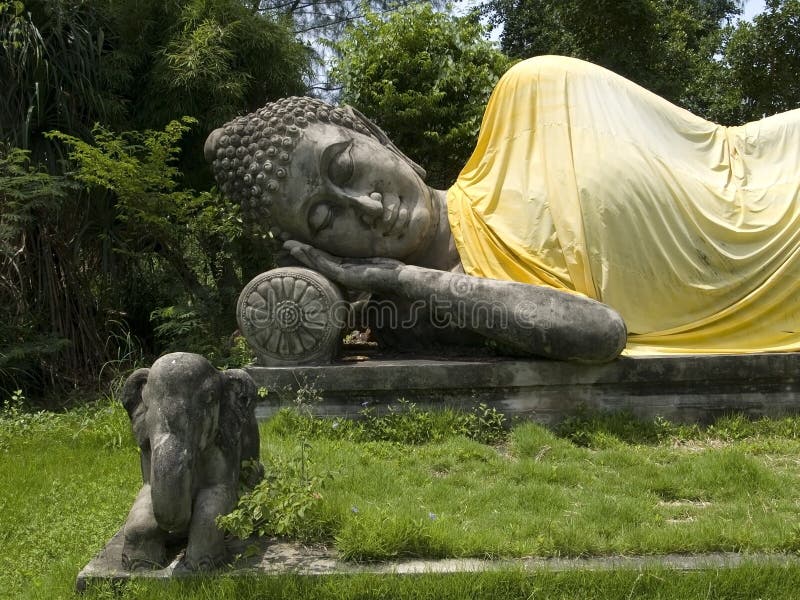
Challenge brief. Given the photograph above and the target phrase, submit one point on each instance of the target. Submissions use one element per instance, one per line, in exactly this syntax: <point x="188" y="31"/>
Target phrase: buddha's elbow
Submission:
<point x="608" y="335"/>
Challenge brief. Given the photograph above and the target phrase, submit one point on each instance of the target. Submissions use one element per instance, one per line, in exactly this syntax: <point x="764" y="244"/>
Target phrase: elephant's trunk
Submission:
<point x="171" y="483"/>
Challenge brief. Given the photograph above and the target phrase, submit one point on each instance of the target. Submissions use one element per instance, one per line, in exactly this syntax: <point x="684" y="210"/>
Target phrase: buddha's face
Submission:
<point x="347" y="194"/>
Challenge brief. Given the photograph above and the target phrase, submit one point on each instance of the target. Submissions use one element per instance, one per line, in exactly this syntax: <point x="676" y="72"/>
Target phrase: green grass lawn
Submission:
<point x="408" y="486"/>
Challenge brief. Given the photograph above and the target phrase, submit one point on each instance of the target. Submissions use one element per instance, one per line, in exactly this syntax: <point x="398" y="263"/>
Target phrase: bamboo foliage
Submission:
<point x="51" y="70"/>
<point x="44" y="301"/>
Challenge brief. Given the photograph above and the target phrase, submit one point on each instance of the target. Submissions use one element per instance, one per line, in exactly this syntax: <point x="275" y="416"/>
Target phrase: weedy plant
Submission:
<point x="401" y="423"/>
<point x="286" y="500"/>
<point x="18" y="420"/>
<point x="406" y="423"/>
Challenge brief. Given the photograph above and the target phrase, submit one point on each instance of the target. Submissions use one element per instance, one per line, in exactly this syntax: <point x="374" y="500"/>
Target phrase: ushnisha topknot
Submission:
<point x="250" y="155"/>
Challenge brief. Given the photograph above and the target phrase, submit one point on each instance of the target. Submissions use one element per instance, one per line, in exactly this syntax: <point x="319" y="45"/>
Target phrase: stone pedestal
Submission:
<point x="687" y="388"/>
<point x="271" y="557"/>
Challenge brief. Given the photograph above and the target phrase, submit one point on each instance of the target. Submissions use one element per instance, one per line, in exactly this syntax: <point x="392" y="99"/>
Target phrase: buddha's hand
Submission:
<point x="365" y="274"/>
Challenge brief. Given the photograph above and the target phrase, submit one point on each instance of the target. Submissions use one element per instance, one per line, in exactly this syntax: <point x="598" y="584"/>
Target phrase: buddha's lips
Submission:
<point x="391" y="221"/>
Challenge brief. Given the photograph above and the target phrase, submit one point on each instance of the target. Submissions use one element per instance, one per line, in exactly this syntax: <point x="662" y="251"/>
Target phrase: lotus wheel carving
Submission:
<point x="292" y="315"/>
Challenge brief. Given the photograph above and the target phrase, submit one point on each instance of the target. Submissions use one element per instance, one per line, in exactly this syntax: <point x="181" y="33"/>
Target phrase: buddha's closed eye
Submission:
<point x="320" y="217"/>
<point x="341" y="167"/>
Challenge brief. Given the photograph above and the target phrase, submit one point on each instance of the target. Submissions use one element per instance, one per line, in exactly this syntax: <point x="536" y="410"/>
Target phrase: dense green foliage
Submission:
<point x="50" y="66"/>
<point x="137" y="65"/>
<point x="183" y="246"/>
<point x="134" y="262"/>
<point x="665" y="45"/>
<point x="33" y="206"/>
<point x="693" y="52"/>
<point x="764" y="59"/>
<point x="330" y="18"/>
<point x="320" y="22"/>
<point x="85" y="266"/>
<point x="208" y="59"/>
<point x="424" y="77"/>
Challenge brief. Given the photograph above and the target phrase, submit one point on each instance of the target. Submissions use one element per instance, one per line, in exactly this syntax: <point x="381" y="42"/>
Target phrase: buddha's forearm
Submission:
<point x="534" y="319"/>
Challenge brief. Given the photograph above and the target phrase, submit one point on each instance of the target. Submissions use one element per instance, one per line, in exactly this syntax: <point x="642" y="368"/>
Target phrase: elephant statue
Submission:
<point x="195" y="425"/>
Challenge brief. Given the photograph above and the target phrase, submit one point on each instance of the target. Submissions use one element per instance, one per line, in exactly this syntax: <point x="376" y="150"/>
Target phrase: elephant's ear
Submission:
<point x="236" y="407"/>
<point x="132" y="401"/>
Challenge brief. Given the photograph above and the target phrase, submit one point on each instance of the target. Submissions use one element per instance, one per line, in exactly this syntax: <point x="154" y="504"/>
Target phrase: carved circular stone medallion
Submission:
<point x="292" y="316"/>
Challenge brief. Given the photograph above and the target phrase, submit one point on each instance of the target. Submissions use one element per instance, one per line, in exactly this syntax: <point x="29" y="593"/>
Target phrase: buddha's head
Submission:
<point x="323" y="175"/>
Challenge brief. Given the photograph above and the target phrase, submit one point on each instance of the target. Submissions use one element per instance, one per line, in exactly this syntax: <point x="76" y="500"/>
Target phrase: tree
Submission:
<point x="764" y="59"/>
<point x="668" y="46"/>
<point x="328" y="18"/>
<point x="322" y="22"/>
<point x="424" y="77"/>
<point x="191" y="238"/>
<point x="138" y="64"/>
<point x="79" y="269"/>
<point x="208" y="59"/>
<point x="32" y="330"/>
<point x="50" y="66"/>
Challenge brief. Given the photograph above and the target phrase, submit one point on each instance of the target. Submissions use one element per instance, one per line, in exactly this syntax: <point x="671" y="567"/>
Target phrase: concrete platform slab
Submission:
<point x="683" y="388"/>
<point x="273" y="557"/>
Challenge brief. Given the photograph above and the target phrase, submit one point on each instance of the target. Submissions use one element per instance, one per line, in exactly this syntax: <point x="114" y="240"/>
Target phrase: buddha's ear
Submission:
<point x="384" y="139"/>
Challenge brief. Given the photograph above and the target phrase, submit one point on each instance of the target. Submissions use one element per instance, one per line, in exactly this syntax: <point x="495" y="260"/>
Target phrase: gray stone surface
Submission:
<point x="292" y="316"/>
<point x="272" y="557"/>
<point x="194" y="425"/>
<point x="687" y="388"/>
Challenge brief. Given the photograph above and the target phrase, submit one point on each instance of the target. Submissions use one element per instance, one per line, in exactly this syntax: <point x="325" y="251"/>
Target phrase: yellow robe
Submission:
<point x="586" y="182"/>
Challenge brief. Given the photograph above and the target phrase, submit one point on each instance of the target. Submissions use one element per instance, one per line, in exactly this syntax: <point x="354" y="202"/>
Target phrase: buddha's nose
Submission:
<point x="210" y="147"/>
<point x="371" y="205"/>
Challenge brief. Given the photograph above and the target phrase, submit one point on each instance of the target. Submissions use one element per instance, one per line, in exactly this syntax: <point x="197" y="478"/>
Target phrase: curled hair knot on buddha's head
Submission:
<point x="251" y="154"/>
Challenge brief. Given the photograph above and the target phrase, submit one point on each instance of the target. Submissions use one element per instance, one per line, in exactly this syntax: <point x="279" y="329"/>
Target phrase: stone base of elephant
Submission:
<point x="117" y="562"/>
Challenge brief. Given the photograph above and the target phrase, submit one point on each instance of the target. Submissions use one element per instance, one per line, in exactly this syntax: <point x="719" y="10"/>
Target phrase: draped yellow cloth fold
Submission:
<point x="583" y="181"/>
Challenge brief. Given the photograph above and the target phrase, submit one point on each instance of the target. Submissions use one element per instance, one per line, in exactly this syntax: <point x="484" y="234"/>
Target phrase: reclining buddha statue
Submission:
<point x="592" y="217"/>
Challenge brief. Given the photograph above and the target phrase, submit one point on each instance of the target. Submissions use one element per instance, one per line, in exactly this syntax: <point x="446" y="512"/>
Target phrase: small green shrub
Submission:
<point x="17" y="420"/>
<point x="241" y="355"/>
<point x="404" y="423"/>
<point x="103" y="422"/>
<point x="483" y="424"/>
<point x="285" y="502"/>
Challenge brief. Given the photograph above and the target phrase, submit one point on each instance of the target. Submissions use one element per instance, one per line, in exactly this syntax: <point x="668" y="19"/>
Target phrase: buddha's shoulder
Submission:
<point x="539" y="66"/>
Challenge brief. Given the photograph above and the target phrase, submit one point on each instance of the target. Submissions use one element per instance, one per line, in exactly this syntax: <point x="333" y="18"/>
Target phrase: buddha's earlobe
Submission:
<point x="384" y="139"/>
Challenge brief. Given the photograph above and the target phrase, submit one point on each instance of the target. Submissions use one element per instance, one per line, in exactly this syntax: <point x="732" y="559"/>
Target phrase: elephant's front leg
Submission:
<point x="144" y="542"/>
<point x="206" y="547"/>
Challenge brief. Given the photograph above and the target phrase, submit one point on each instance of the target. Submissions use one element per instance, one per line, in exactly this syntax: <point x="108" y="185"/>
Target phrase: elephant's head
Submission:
<point x="180" y="408"/>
